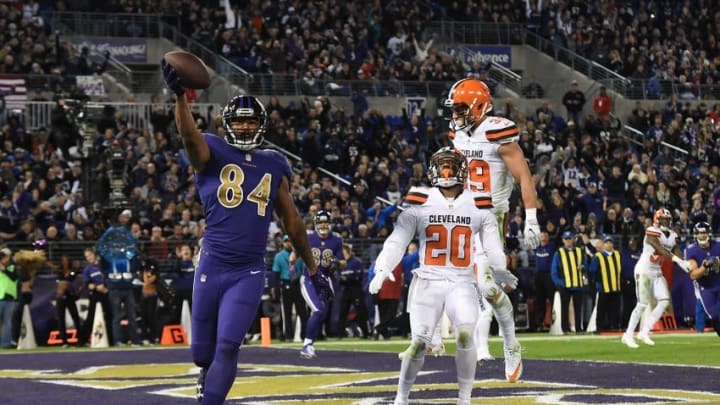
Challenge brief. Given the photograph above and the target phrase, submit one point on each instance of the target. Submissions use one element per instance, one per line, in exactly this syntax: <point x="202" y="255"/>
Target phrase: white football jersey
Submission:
<point x="650" y="263"/>
<point x="487" y="171"/>
<point x="445" y="230"/>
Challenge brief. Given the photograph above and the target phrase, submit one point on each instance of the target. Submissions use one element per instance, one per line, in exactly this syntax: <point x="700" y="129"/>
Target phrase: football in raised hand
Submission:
<point x="192" y="71"/>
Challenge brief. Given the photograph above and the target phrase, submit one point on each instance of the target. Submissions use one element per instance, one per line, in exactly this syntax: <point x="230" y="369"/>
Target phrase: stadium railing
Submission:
<point x="467" y="32"/>
<point x="455" y="32"/>
<point x="365" y="249"/>
<point x="82" y="24"/>
<point x="38" y="113"/>
<point x="161" y="26"/>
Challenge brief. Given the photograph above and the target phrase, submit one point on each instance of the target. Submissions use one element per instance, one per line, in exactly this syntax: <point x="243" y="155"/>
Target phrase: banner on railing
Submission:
<point x="486" y="54"/>
<point x="126" y="50"/>
<point x="14" y="90"/>
<point x="91" y="85"/>
<point x="414" y="105"/>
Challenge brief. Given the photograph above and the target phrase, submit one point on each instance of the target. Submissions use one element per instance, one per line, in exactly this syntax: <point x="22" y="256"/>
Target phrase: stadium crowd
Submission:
<point x="591" y="181"/>
<point x="662" y="42"/>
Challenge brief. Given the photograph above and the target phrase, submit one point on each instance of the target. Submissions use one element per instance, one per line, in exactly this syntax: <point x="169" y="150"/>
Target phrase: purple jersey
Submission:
<point x="697" y="253"/>
<point x="238" y="191"/>
<point x="326" y="251"/>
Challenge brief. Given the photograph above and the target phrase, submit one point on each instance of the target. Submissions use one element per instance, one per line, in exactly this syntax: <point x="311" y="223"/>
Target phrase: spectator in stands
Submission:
<point x="602" y="105"/>
<point x="533" y="90"/>
<point x="158" y="248"/>
<point x="63" y="132"/>
<point x="574" y="102"/>
<point x="87" y="67"/>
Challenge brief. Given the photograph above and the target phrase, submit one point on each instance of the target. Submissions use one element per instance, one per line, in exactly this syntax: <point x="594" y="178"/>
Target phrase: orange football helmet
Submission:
<point x="448" y="167"/>
<point x="469" y="101"/>
<point x="662" y="218"/>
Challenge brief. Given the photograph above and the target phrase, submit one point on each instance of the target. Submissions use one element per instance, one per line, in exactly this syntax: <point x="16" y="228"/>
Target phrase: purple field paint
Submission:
<point x="143" y="377"/>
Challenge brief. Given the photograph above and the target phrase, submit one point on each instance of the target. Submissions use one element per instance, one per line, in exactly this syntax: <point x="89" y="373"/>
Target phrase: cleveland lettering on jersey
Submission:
<point x="449" y="219"/>
<point x="472" y="154"/>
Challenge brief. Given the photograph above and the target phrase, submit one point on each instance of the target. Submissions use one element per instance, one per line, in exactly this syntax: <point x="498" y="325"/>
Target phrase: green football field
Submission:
<point x="580" y="370"/>
<point x="676" y="348"/>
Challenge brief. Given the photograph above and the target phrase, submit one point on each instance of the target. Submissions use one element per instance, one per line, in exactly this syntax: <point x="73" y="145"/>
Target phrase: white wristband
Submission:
<point x="531" y="214"/>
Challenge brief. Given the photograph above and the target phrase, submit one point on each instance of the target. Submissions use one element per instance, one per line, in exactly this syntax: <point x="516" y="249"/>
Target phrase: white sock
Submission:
<point x="482" y="329"/>
<point x="307" y="342"/>
<point x="503" y="311"/>
<point x="655" y="315"/>
<point x="465" y="364"/>
<point x="634" y="319"/>
<point x="411" y="366"/>
<point x="437" y="334"/>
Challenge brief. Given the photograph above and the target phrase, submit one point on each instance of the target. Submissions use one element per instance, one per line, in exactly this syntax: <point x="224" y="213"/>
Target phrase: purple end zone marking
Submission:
<point x="611" y="399"/>
<point x="13" y="391"/>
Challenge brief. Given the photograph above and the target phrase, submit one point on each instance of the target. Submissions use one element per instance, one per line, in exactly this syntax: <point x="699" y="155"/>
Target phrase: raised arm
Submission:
<point x="197" y="149"/>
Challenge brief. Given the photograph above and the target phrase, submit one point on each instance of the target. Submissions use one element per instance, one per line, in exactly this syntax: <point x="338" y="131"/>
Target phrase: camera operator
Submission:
<point x="62" y="132"/>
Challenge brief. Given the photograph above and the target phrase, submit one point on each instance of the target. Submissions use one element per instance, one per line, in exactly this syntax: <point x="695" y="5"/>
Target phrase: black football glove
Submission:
<point x="172" y="80"/>
<point x="711" y="264"/>
<point x="323" y="286"/>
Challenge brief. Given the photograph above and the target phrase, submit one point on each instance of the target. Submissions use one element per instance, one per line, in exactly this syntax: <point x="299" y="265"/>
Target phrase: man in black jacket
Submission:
<point x="351" y="280"/>
<point x="574" y="101"/>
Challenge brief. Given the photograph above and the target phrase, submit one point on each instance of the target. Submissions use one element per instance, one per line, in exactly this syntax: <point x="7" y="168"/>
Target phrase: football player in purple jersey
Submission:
<point x="704" y="259"/>
<point x="240" y="186"/>
<point x="327" y="252"/>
